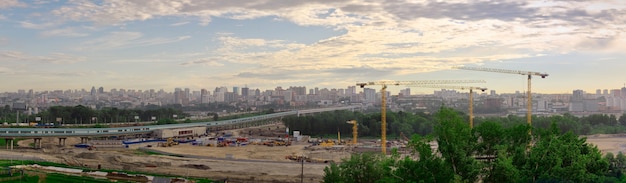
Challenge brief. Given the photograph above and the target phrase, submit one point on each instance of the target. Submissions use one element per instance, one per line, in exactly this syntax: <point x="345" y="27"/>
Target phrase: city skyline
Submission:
<point x="264" y="44"/>
<point x="398" y="90"/>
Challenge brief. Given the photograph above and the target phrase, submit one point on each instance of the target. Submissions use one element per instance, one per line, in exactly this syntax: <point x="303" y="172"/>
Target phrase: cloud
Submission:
<point x="117" y="40"/>
<point x="208" y="62"/>
<point x="5" y="70"/>
<point x="11" y="3"/>
<point x="30" y="25"/>
<point x="3" y="40"/>
<point x="179" y="24"/>
<point x="475" y="10"/>
<point x="64" y="32"/>
<point x="54" y="58"/>
<point x="114" y="12"/>
<point x="376" y="38"/>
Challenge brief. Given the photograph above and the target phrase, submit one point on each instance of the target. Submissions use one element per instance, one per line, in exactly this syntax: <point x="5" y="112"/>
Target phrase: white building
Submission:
<point x="179" y="132"/>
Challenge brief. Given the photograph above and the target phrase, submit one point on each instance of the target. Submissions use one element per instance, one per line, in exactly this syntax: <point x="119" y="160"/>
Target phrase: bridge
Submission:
<point x="62" y="133"/>
<point x="311" y="111"/>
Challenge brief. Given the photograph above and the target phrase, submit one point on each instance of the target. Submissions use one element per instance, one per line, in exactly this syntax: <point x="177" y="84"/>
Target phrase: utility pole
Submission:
<point x="302" y="169"/>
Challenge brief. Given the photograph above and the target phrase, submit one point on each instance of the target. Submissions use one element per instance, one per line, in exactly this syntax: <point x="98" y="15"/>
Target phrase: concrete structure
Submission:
<point x="9" y="134"/>
<point x="179" y="132"/>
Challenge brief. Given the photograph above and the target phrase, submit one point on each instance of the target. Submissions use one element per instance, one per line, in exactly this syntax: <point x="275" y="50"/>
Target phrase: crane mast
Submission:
<point x="471" y="96"/>
<point x="354" y="131"/>
<point x="529" y="103"/>
<point x="383" y="108"/>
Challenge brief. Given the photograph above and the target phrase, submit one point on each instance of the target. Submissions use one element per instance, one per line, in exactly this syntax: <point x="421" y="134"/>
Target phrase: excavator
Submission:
<point x="170" y="142"/>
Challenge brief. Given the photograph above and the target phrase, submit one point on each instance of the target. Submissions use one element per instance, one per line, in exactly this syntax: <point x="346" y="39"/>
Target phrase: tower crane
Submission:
<point x="529" y="104"/>
<point x="383" y="108"/>
<point x="471" y="96"/>
<point x="354" y="131"/>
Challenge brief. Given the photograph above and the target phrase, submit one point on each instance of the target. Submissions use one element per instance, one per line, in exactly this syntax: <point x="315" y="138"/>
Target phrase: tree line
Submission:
<point x="512" y="155"/>
<point x="84" y="115"/>
<point x="329" y="123"/>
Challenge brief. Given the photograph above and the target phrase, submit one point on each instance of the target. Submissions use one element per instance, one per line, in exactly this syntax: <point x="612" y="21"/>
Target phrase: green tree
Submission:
<point x="456" y="144"/>
<point x="428" y="167"/>
<point x="360" y="168"/>
<point x="563" y="158"/>
<point x="502" y="169"/>
<point x="622" y="119"/>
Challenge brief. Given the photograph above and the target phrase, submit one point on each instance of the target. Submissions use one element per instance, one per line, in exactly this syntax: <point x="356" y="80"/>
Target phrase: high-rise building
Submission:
<point x="405" y="92"/>
<point x="598" y="92"/>
<point x="101" y="90"/>
<point x="185" y="97"/>
<point x="178" y="96"/>
<point x="370" y="95"/>
<point x="204" y="96"/>
<point x="93" y="90"/>
<point x="244" y="91"/>
<point x="578" y="95"/>
<point x="298" y="90"/>
<point x="616" y="92"/>
<point x="351" y="90"/>
<point x="236" y="90"/>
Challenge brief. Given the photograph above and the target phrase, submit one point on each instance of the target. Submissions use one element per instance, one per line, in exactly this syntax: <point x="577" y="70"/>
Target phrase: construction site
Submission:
<point x="265" y="153"/>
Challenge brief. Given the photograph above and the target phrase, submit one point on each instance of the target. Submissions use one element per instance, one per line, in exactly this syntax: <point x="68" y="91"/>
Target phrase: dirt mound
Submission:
<point x="88" y="155"/>
<point x="201" y="167"/>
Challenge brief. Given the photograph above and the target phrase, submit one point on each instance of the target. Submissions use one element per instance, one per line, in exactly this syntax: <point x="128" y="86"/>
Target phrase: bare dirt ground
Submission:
<point x="250" y="163"/>
<point x="613" y="143"/>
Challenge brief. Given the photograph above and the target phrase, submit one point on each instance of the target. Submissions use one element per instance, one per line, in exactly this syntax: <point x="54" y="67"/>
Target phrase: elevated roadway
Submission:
<point x="37" y="133"/>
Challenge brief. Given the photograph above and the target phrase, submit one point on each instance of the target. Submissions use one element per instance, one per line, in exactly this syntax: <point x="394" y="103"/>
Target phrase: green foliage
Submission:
<point x="327" y="123"/>
<point x="84" y="115"/>
<point x="57" y="177"/>
<point x="551" y="154"/>
<point x="166" y="121"/>
<point x="457" y="144"/>
<point x="426" y="168"/>
<point x="360" y="168"/>
<point x="563" y="158"/>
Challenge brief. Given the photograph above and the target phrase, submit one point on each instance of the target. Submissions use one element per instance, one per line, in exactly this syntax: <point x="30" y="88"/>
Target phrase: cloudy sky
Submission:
<point x="164" y="44"/>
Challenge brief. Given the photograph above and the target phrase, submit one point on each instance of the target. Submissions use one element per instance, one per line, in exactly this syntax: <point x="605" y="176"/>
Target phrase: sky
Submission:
<point x="165" y="44"/>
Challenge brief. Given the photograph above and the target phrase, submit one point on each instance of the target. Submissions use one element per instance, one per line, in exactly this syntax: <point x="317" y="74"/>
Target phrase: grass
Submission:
<point x="145" y="152"/>
<point x="63" y="178"/>
<point x="3" y="143"/>
<point x="55" y="177"/>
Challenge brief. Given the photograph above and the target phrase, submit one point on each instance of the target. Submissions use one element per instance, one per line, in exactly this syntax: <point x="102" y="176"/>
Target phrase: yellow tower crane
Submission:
<point x="355" y="129"/>
<point x="529" y="103"/>
<point x="383" y="108"/>
<point x="471" y="96"/>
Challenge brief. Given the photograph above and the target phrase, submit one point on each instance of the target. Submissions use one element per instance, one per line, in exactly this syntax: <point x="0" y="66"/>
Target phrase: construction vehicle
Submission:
<point x="300" y="158"/>
<point x="327" y="143"/>
<point x="471" y="96"/>
<point x="383" y="108"/>
<point x="170" y="142"/>
<point x="529" y="103"/>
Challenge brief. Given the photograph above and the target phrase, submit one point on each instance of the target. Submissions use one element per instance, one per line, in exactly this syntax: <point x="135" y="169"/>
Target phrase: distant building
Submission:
<point x="245" y="92"/>
<point x="370" y="95"/>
